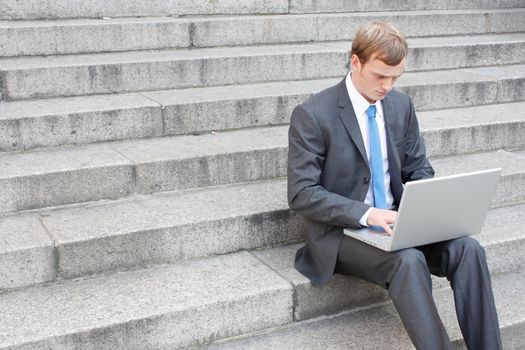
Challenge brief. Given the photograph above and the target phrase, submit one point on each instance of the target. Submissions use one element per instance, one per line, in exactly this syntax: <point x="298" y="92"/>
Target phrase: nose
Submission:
<point x="387" y="84"/>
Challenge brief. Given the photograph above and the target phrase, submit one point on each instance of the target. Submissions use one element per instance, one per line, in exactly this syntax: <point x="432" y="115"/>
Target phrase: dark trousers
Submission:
<point x="406" y="276"/>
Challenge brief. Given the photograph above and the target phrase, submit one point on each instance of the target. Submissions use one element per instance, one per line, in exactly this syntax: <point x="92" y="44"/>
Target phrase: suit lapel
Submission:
<point x="349" y="119"/>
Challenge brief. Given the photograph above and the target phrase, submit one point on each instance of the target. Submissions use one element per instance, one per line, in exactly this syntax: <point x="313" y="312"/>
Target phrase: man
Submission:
<point x="351" y="147"/>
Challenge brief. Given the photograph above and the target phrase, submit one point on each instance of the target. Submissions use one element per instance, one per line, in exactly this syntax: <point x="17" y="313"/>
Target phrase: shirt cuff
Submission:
<point x="364" y="218"/>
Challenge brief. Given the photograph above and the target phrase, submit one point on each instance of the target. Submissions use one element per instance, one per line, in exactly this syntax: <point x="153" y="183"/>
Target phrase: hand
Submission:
<point x="383" y="218"/>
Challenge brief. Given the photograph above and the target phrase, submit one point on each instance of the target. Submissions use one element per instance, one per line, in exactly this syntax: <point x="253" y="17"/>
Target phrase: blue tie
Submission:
<point x="376" y="160"/>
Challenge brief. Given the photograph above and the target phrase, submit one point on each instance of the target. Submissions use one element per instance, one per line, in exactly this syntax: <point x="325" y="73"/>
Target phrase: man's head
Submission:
<point x="378" y="58"/>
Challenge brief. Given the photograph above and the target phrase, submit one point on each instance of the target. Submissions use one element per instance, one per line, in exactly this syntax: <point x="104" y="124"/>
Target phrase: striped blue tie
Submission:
<point x="376" y="160"/>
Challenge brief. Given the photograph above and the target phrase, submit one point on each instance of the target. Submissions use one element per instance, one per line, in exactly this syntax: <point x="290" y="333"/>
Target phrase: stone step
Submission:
<point x="27" y="252"/>
<point x="507" y="91"/>
<point x="49" y="178"/>
<point x="169" y="227"/>
<point x="380" y="327"/>
<point x="157" y="229"/>
<point x="89" y="119"/>
<point x="475" y="86"/>
<point x="78" y="120"/>
<point x="325" y="6"/>
<point x="473" y="129"/>
<point x="192" y="303"/>
<point x="52" y="9"/>
<point x="19" y="38"/>
<point x="502" y="237"/>
<point x="158" y="308"/>
<point x="67" y="175"/>
<point x="511" y="188"/>
<point x="252" y="30"/>
<point x="35" y="77"/>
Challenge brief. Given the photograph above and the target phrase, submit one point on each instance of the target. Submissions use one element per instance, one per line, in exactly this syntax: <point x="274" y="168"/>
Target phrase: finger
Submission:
<point x="387" y="228"/>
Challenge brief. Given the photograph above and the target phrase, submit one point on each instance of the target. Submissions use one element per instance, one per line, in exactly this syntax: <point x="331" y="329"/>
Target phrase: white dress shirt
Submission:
<point x="360" y="105"/>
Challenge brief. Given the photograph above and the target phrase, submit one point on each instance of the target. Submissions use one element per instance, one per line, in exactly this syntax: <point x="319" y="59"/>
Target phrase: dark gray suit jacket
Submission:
<point x="328" y="171"/>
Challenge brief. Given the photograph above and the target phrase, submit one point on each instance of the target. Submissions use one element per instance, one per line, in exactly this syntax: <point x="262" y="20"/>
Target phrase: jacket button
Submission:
<point x="366" y="180"/>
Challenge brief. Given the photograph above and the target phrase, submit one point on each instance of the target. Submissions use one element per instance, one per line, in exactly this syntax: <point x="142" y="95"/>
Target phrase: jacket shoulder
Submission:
<point x="318" y="103"/>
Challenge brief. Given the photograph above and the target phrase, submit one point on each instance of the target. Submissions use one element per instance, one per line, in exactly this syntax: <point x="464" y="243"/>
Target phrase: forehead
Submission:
<point x="381" y="68"/>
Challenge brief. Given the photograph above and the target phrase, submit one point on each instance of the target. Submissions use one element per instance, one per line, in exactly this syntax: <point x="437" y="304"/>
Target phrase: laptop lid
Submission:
<point x="444" y="208"/>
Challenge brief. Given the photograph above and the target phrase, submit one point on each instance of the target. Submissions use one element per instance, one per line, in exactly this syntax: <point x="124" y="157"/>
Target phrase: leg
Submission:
<point x="406" y="276"/>
<point x="464" y="264"/>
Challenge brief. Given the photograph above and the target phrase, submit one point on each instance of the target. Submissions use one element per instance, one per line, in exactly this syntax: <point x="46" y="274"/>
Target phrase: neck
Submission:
<point x="358" y="88"/>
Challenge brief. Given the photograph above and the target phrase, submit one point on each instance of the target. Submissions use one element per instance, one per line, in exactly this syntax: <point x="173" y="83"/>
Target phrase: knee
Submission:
<point x="466" y="246"/>
<point x="411" y="259"/>
<point x="410" y="269"/>
<point x="466" y="260"/>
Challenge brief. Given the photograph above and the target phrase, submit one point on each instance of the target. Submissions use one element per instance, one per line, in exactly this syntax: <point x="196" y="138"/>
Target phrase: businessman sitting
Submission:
<point x="351" y="147"/>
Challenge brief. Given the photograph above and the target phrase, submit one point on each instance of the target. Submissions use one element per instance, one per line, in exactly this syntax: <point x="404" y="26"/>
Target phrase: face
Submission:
<point x="374" y="79"/>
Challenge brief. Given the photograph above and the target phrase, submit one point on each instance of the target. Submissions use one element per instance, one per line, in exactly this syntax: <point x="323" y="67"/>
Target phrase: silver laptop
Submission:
<point x="437" y="209"/>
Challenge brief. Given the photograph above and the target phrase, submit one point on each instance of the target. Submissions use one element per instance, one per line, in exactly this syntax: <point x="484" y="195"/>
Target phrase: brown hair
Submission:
<point x="379" y="40"/>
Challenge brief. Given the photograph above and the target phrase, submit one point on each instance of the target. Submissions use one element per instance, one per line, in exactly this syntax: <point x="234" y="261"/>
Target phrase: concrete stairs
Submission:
<point x="142" y="190"/>
<point x="130" y="71"/>
<point x="379" y="327"/>
<point x="68" y="36"/>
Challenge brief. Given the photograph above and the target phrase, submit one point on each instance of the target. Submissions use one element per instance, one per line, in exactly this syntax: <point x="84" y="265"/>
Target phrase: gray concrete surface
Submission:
<point x="301" y="6"/>
<point x="510" y="188"/>
<point x="379" y="327"/>
<point x="51" y="9"/>
<point x="33" y="77"/>
<point x="171" y="227"/>
<point x="49" y="178"/>
<point x="172" y="306"/>
<point x="448" y="88"/>
<point x="341" y="293"/>
<point x="19" y="38"/>
<point x="502" y="237"/>
<point x="174" y="163"/>
<point x="77" y="120"/>
<point x="157" y="70"/>
<point x="473" y="129"/>
<point x="87" y="119"/>
<point x="69" y="175"/>
<point x="198" y="110"/>
<point x="26" y="252"/>
<point x="105" y="224"/>
<point x="194" y="224"/>
<point x="251" y="30"/>
<point x="59" y="37"/>
<point x="511" y="84"/>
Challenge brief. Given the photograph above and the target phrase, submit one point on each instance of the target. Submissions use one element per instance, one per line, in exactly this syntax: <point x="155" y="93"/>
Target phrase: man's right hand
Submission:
<point x="383" y="218"/>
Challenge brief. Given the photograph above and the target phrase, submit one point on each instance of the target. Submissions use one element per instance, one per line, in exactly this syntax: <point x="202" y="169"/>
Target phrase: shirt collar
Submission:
<point x="360" y="103"/>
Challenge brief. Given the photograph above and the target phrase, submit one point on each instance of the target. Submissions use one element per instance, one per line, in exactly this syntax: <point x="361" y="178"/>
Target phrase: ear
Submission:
<point x="355" y="64"/>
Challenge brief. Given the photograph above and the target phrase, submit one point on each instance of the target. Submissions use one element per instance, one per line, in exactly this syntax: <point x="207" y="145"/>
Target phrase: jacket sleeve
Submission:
<point x="306" y="157"/>
<point x="416" y="165"/>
